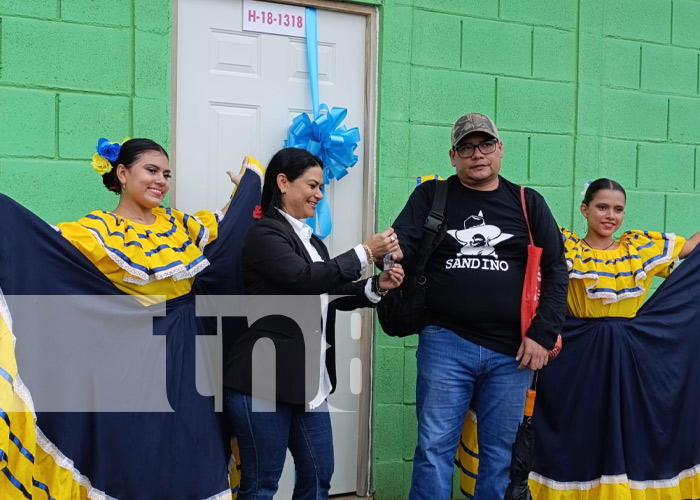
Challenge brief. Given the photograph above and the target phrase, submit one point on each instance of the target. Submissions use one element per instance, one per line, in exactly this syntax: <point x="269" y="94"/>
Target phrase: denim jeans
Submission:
<point x="263" y="439"/>
<point x="452" y="373"/>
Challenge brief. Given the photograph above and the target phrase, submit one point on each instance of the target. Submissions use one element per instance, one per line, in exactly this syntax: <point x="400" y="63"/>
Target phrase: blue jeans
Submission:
<point x="263" y="439"/>
<point x="452" y="373"/>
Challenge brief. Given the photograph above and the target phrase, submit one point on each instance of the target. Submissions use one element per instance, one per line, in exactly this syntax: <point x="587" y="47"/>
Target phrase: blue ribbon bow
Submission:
<point x="323" y="136"/>
<point x="327" y="139"/>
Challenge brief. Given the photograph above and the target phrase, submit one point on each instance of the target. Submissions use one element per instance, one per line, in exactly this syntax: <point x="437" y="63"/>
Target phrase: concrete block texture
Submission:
<point x="393" y="149"/>
<point x="429" y="151"/>
<point x="389" y="383"/>
<point x="682" y="213"/>
<point x="684" y="120"/>
<point x="618" y="161"/>
<point x="622" y="62"/>
<point x="394" y="91"/>
<point x="496" y="47"/>
<point x="590" y="16"/>
<point x="645" y="210"/>
<point x="669" y="69"/>
<point x="153" y="15"/>
<point x="535" y="105"/>
<point x="554" y="54"/>
<point x="66" y="55"/>
<point x="152" y="65"/>
<point x="551" y="160"/>
<point x="104" y="12"/>
<point x="442" y="96"/>
<point x="591" y="58"/>
<point x="589" y="109"/>
<point x="67" y="202"/>
<point x="634" y="115"/>
<point x="396" y="189"/>
<point x="648" y="20"/>
<point x="396" y="34"/>
<point x="410" y="373"/>
<point x="47" y="9"/>
<point x="515" y="165"/>
<point x="388" y="433"/>
<point x="685" y="23"/>
<point x="478" y="8"/>
<point x="666" y="167"/>
<point x="83" y="119"/>
<point x="558" y="13"/>
<point x="391" y="477"/>
<point x="151" y="118"/>
<point x="436" y="39"/>
<point x="559" y="200"/>
<point x="28" y="125"/>
<point x="410" y="437"/>
<point x="587" y="166"/>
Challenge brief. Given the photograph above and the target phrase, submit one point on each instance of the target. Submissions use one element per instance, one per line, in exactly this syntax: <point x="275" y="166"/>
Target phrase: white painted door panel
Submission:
<point x="237" y="93"/>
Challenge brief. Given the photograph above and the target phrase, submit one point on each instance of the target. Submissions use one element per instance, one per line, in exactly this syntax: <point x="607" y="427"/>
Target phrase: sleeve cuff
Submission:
<point x="371" y="296"/>
<point x="362" y="255"/>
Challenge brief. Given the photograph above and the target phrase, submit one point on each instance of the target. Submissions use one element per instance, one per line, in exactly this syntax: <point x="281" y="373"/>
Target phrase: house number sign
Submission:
<point x="268" y="17"/>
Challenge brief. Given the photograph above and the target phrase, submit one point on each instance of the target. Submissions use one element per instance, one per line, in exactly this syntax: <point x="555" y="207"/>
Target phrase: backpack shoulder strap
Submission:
<point x="432" y="228"/>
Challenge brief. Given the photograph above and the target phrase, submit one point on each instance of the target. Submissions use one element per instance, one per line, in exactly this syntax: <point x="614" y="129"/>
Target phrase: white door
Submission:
<point x="237" y="93"/>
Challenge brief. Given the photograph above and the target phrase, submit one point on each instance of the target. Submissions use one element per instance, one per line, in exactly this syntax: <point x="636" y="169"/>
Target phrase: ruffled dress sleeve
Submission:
<point x="615" y="282"/>
<point x="160" y="259"/>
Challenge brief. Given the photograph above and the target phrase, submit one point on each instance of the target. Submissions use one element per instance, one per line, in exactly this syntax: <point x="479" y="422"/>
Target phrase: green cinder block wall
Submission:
<point x="72" y="71"/>
<point x="579" y="89"/>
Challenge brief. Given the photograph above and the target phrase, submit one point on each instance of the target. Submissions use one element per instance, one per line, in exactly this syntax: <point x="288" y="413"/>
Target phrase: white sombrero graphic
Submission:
<point x="477" y="237"/>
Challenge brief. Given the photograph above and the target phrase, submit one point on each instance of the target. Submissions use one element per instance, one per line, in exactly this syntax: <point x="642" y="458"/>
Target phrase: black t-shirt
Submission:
<point x="475" y="276"/>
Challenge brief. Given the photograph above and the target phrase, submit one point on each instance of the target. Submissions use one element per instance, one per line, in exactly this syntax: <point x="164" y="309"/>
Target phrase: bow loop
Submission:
<point x="326" y="138"/>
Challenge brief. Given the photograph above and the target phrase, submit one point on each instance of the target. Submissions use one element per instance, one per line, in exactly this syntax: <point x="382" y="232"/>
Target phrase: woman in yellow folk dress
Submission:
<point x="152" y="253"/>
<point x="616" y="413"/>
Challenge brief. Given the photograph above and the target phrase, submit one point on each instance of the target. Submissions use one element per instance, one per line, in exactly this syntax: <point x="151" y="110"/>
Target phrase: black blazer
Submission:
<point x="275" y="262"/>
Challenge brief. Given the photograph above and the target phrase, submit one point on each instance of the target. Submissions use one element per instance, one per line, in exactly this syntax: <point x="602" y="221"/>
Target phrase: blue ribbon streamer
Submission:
<point x="312" y="56"/>
<point x="323" y="136"/>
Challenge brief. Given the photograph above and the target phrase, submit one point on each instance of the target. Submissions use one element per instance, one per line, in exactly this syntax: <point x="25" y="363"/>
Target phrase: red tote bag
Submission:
<point x="532" y="284"/>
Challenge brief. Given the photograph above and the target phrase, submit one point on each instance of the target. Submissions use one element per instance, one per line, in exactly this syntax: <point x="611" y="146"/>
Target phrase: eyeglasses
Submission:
<point x="467" y="150"/>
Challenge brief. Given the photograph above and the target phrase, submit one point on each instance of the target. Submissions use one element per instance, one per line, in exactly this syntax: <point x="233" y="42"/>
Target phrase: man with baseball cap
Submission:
<point x="470" y="350"/>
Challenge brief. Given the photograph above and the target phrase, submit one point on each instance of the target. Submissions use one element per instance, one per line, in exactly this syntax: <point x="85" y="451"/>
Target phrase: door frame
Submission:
<point x="369" y="146"/>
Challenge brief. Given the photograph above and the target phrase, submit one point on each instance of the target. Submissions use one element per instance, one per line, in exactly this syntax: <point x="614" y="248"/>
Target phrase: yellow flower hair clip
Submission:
<point x="107" y="152"/>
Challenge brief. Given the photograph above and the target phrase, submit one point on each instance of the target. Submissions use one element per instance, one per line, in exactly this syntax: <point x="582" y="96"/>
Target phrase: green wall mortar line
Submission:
<point x="0" y="47"/>
<point x="63" y="90"/>
<point x="461" y="43"/>
<point x="529" y="156"/>
<point x="636" y="168"/>
<point x="577" y="83"/>
<point x="495" y="100"/>
<point x="56" y="144"/>
<point x="133" y="69"/>
<point x="532" y="51"/>
<point x="670" y="35"/>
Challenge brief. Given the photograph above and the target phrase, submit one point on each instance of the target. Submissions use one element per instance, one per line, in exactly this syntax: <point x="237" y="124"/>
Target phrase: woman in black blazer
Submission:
<point x="277" y="375"/>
